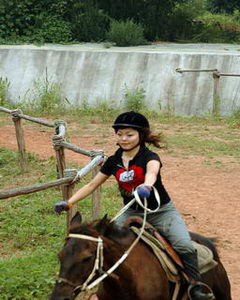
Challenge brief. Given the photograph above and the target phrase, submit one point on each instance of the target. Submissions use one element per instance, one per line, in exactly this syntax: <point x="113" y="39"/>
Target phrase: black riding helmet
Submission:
<point x="131" y="119"/>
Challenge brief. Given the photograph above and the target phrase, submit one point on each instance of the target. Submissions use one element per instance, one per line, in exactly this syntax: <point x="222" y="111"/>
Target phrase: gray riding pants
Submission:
<point x="169" y="223"/>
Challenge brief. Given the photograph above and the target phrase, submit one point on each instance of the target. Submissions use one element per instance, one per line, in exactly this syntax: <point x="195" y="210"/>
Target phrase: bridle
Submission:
<point x="98" y="264"/>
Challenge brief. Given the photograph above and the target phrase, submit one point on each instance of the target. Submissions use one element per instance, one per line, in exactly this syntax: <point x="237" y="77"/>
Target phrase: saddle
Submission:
<point x="168" y="257"/>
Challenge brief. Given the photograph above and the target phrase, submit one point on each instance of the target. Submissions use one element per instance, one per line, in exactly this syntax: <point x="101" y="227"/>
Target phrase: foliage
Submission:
<point x="152" y="15"/>
<point x="25" y="251"/>
<point x="234" y="119"/>
<point x="4" y="86"/>
<point x="134" y="99"/>
<point x="236" y="16"/>
<point x="50" y="28"/>
<point x="126" y="33"/>
<point x="105" y="109"/>
<point x="108" y="45"/>
<point x="17" y="17"/>
<point x="102" y="109"/>
<point x="19" y="286"/>
<point x="191" y="21"/>
<point x="88" y="22"/>
<point x="64" y="21"/>
<point x="218" y="28"/>
<point x="46" y="96"/>
<point x="33" y="20"/>
<point x="227" y="6"/>
<point x="183" y="19"/>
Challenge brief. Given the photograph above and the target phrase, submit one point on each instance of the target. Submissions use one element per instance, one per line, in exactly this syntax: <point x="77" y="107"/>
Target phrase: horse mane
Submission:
<point x="102" y="227"/>
<point x="123" y="235"/>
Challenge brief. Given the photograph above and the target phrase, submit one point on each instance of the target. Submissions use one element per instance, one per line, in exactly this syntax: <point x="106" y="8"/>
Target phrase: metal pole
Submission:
<point x="179" y="70"/>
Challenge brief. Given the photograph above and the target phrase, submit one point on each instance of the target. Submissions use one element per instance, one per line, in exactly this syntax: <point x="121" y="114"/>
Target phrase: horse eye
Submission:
<point x="86" y="259"/>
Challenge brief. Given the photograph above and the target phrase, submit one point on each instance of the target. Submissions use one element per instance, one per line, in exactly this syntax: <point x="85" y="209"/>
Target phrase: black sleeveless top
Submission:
<point x="129" y="179"/>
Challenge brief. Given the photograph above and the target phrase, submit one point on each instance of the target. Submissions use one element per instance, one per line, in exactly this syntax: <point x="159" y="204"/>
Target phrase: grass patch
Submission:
<point x="31" y="234"/>
<point x="195" y="144"/>
<point x="15" y="283"/>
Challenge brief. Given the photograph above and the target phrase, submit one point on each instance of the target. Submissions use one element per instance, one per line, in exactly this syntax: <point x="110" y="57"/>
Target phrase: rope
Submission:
<point x="99" y="255"/>
<point x="124" y="256"/>
<point x="98" y="264"/>
<point x="138" y="200"/>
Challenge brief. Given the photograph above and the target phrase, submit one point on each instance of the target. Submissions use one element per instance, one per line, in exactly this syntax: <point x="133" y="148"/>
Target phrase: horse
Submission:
<point x="139" y="277"/>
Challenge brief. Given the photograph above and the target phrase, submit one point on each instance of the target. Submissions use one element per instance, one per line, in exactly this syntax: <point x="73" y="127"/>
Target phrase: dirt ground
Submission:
<point x="206" y="195"/>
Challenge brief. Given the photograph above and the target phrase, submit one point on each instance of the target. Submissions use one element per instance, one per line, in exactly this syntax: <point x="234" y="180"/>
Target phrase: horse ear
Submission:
<point x="75" y="221"/>
<point x="102" y="225"/>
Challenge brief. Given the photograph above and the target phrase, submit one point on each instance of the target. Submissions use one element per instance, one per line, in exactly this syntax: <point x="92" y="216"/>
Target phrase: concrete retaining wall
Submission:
<point x="96" y="74"/>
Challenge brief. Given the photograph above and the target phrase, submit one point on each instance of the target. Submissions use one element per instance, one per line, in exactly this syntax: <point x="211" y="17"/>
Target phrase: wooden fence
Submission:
<point x="216" y="91"/>
<point x="67" y="178"/>
<point x="17" y="116"/>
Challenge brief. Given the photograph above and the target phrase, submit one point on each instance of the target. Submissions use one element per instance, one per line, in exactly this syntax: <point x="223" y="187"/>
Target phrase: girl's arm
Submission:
<point x="153" y="167"/>
<point x="88" y="188"/>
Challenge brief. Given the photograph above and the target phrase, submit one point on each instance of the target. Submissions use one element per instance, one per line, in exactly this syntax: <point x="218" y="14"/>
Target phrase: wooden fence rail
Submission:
<point x="6" y="110"/>
<point x="4" y="194"/>
<point x="79" y="150"/>
<point x="66" y="177"/>
<point x="216" y="89"/>
<point x="18" y="113"/>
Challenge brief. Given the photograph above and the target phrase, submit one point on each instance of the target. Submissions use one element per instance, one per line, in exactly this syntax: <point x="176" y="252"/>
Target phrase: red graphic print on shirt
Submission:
<point x="131" y="178"/>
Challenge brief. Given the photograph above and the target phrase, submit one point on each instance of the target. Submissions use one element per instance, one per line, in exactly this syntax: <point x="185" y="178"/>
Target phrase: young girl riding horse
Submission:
<point x="136" y="167"/>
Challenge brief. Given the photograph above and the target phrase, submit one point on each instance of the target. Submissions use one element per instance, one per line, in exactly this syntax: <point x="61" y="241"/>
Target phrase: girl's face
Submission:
<point x="127" y="138"/>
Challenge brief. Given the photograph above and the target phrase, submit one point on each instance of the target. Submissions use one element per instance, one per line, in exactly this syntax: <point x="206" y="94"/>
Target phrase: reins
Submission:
<point x="98" y="264"/>
<point x="139" y="202"/>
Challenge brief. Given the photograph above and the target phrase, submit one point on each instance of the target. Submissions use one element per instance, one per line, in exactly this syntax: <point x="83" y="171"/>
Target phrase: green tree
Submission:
<point x="17" y="18"/>
<point x="224" y="5"/>
<point x="21" y="19"/>
<point x="126" y="33"/>
<point x="183" y="21"/>
<point x="88" y="21"/>
<point x="152" y="14"/>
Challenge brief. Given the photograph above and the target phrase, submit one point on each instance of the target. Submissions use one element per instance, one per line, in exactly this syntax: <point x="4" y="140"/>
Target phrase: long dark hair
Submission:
<point x="146" y="136"/>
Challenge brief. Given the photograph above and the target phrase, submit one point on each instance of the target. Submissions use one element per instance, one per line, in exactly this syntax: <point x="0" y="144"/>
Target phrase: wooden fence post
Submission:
<point x="68" y="192"/>
<point x="216" y="94"/>
<point x="20" y="139"/>
<point x="57" y="139"/>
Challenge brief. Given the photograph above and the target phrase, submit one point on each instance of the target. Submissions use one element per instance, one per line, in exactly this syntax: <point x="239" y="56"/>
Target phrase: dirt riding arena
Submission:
<point x="207" y="195"/>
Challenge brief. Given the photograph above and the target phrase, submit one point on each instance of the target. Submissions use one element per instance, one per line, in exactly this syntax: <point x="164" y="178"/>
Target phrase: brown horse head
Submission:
<point x="139" y="277"/>
<point x="77" y="257"/>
